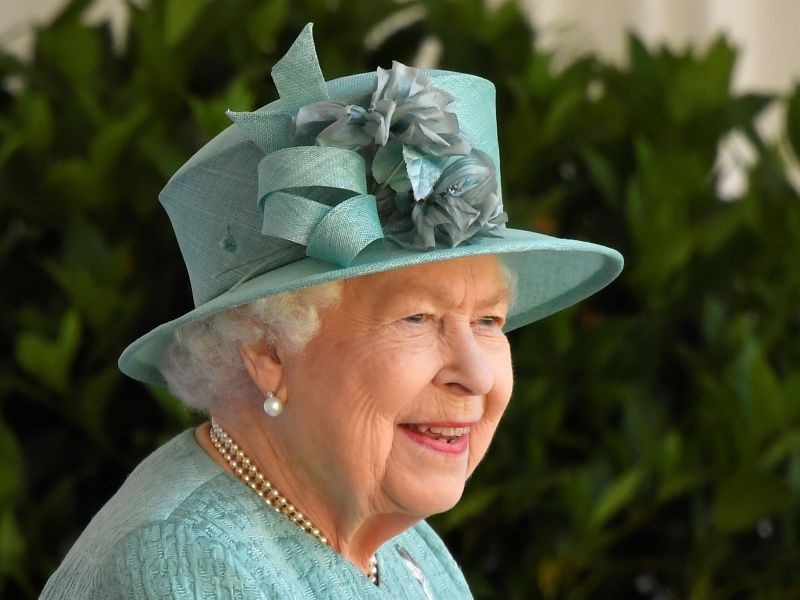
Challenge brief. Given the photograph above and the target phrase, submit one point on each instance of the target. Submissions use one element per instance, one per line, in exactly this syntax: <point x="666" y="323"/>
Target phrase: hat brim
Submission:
<point x="551" y="274"/>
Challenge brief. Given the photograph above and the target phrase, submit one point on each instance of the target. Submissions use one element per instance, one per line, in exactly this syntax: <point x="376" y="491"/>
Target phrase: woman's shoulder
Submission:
<point x="170" y="477"/>
<point x="181" y="527"/>
<point x="150" y="502"/>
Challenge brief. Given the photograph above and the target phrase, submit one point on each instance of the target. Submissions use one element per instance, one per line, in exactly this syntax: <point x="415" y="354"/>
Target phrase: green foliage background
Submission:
<point x="652" y="448"/>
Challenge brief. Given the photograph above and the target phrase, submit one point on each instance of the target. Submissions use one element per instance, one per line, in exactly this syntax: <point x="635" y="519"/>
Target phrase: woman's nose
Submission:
<point x="466" y="369"/>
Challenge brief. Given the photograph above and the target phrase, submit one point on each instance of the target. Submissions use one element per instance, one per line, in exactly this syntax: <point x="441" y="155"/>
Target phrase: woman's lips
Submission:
<point x="447" y="438"/>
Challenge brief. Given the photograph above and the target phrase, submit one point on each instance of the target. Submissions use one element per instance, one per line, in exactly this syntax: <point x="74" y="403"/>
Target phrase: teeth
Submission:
<point x="443" y="431"/>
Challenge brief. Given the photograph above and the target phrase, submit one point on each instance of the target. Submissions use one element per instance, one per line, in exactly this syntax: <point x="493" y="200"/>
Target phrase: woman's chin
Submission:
<point x="425" y="496"/>
<point x="426" y="478"/>
<point x="443" y="502"/>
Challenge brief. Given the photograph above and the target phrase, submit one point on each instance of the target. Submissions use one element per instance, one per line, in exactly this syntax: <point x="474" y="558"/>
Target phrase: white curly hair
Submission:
<point x="202" y="364"/>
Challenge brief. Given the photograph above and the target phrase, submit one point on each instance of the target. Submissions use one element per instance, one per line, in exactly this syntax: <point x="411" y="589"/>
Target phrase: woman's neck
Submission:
<point x="352" y="526"/>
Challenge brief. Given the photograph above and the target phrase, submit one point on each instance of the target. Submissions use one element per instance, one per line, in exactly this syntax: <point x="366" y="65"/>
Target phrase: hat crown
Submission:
<point x="216" y="201"/>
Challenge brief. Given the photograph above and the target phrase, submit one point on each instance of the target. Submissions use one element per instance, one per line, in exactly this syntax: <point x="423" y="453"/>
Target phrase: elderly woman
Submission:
<point x="354" y="281"/>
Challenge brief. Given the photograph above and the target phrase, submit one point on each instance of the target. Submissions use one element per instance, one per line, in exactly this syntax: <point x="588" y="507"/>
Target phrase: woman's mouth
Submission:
<point x="447" y="439"/>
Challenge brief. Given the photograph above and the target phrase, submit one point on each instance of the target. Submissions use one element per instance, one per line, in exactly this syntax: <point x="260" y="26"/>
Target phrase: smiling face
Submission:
<point x="404" y="352"/>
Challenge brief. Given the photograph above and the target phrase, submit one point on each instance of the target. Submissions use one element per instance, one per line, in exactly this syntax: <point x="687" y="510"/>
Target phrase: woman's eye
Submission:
<point x="489" y="320"/>
<point x="415" y="318"/>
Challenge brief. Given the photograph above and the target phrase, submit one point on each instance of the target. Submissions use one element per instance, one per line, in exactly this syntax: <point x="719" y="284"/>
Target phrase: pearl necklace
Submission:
<point x="245" y="470"/>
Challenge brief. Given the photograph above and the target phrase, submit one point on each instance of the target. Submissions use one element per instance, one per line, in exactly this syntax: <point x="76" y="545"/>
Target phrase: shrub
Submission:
<point x="652" y="448"/>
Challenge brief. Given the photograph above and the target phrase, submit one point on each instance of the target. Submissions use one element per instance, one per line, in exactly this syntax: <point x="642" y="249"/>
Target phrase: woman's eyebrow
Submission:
<point x="501" y="297"/>
<point x="446" y="297"/>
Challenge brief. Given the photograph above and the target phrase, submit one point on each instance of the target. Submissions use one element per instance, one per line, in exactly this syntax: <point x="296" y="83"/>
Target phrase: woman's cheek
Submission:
<point x="403" y="342"/>
<point x="480" y="438"/>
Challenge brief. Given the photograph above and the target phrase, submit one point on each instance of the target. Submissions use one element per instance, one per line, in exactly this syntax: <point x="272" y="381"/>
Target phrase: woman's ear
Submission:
<point x="263" y="364"/>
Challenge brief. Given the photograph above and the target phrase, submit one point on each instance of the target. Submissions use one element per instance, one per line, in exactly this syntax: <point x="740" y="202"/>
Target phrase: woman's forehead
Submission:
<point x="446" y="281"/>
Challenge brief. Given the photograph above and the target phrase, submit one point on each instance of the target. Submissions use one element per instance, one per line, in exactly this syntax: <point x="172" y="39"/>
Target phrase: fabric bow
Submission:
<point x="298" y="183"/>
<point x="332" y="233"/>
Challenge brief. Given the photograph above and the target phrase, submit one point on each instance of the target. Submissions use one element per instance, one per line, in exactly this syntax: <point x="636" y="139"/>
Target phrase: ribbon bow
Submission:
<point x="331" y="233"/>
<point x="297" y="183"/>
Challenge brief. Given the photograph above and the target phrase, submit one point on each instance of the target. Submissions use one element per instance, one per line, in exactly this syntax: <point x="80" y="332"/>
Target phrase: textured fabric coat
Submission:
<point x="181" y="527"/>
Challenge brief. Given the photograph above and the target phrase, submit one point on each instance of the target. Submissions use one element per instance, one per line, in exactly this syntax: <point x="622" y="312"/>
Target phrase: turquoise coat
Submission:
<point x="181" y="527"/>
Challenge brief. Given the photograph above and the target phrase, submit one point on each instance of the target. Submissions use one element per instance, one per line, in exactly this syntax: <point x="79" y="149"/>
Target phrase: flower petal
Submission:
<point x="313" y="117"/>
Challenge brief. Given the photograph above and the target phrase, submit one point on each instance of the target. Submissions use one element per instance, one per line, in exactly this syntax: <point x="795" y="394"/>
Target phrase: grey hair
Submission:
<point x="510" y="277"/>
<point x="202" y="364"/>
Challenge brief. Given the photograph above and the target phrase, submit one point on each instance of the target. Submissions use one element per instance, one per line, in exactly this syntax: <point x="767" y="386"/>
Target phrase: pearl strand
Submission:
<point x="245" y="470"/>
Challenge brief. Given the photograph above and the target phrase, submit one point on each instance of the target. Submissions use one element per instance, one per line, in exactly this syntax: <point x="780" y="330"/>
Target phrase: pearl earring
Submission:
<point x="273" y="405"/>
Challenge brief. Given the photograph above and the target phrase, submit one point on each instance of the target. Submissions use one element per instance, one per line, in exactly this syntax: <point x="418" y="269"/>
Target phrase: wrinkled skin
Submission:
<point x="422" y="344"/>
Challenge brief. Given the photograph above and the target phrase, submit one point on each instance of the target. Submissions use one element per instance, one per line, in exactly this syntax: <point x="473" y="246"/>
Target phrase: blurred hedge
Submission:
<point x="652" y="448"/>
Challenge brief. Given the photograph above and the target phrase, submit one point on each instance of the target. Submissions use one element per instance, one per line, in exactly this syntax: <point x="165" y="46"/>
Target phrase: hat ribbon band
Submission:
<point x="331" y="233"/>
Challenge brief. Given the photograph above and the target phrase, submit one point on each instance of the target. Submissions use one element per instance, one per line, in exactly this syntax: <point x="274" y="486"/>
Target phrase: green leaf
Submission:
<point x="108" y="145"/>
<point x="179" y="17"/>
<point x="91" y="272"/>
<point x="615" y="497"/>
<point x="603" y="175"/>
<point x="155" y="146"/>
<point x="702" y="86"/>
<point x="50" y="360"/>
<point x="473" y="504"/>
<point x="746" y="108"/>
<point x="12" y="481"/>
<point x="74" y="51"/>
<point x="12" y="544"/>
<point x="10" y="144"/>
<point x="37" y="122"/>
<point x="11" y="64"/>
<point x="643" y="65"/>
<point x="785" y="445"/>
<point x="422" y="170"/>
<point x="96" y="302"/>
<point x="76" y="183"/>
<point x="72" y="11"/>
<point x="678" y="483"/>
<point x="758" y="389"/>
<point x="172" y="406"/>
<point x="388" y="167"/>
<point x="210" y="114"/>
<point x="92" y="402"/>
<point x="265" y="22"/>
<point x="745" y="497"/>
<point x="562" y="113"/>
<point x="793" y="120"/>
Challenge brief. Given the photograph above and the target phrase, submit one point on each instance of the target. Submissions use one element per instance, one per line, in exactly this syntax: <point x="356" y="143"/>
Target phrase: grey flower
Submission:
<point x="408" y="119"/>
<point x="421" y="127"/>
<point x="334" y="123"/>
<point x="431" y="185"/>
<point x="464" y="202"/>
<point x="406" y="98"/>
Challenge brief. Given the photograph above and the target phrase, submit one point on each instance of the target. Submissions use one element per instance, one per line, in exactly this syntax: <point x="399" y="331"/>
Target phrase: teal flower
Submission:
<point x="464" y="203"/>
<point x="417" y="113"/>
<point x="334" y="123"/>
<point x="417" y="127"/>
<point x="430" y="184"/>
<point x="408" y="119"/>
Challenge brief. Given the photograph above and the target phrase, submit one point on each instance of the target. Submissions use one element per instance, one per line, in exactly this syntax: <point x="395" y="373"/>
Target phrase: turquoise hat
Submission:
<point x="361" y="174"/>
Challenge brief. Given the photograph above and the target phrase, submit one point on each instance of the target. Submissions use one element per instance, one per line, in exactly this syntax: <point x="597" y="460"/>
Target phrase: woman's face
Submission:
<point x="404" y="351"/>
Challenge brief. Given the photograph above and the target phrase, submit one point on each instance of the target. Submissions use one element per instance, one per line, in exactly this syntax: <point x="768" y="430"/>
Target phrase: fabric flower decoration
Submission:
<point x="421" y="127"/>
<point x="417" y="112"/>
<point x="335" y="124"/>
<point x="429" y="182"/>
<point x="464" y="203"/>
